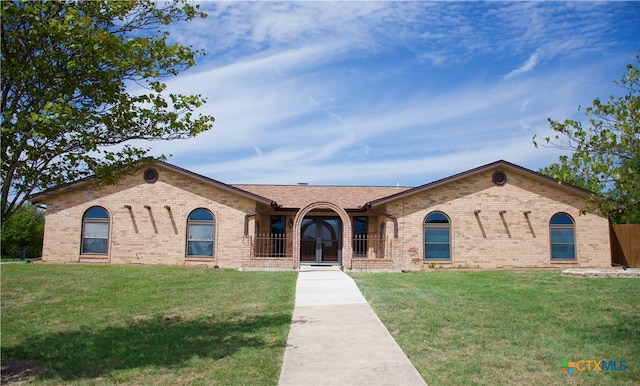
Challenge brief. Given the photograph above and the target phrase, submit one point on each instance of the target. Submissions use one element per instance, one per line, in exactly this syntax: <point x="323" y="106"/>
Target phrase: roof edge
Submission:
<point x="480" y="169"/>
<point x="38" y="197"/>
<point x="222" y="185"/>
<point x="59" y="188"/>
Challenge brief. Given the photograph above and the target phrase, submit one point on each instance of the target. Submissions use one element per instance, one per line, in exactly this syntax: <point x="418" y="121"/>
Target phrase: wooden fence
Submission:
<point x="625" y="244"/>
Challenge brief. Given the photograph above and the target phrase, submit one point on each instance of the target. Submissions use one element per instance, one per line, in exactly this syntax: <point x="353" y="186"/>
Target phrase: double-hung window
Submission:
<point x="200" y="232"/>
<point x="95" y="231"/>
<point x="437" y="237"/>
<point x="562" y="235"/>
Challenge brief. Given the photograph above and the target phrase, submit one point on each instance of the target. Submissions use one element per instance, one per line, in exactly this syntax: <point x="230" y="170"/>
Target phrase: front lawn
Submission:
<point x="510" y="327"/>
<point x="146" y="325"/>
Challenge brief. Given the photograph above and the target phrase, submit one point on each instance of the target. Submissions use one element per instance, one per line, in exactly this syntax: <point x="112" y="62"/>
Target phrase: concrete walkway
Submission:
<point x="337" y="339"/>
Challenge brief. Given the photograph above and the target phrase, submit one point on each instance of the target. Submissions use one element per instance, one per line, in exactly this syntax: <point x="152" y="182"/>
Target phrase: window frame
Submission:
<point x="278" y="235"/>
<point x="95" y="220"/>
<point x="426" y="226"/>
<point x="197" y="222"/>
<point x="360" y="245"/>
<point x="553" y="227"/>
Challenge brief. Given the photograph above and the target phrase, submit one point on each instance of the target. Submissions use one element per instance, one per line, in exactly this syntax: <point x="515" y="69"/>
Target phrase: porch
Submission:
<point x="275" y="250"/>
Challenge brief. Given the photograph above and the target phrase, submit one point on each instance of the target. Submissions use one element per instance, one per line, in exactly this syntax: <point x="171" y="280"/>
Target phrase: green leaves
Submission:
<point x="24" y="229"/>
<point x="66" y="69"/>
<point x="605" y="157"/>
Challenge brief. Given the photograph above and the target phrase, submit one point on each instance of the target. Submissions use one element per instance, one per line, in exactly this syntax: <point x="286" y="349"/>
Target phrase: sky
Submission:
<point x="392" y="93"/>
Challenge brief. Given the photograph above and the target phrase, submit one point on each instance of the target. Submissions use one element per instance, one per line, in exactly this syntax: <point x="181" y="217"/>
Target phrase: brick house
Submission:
<point x="494" y="216"/>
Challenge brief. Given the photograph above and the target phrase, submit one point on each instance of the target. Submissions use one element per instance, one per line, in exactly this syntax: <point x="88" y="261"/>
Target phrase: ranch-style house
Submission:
<point x="494" y="216"/>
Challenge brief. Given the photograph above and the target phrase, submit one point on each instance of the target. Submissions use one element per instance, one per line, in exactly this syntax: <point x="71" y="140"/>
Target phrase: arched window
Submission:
<point x="562" y="234"/>
<point x="437" y="236"/>
<point x="95" y="231"/>
<point x="201" y="226"/>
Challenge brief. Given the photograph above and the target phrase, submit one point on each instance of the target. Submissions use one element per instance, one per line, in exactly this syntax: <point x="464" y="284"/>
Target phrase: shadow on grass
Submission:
<point x="626" y="329"/>
<point x="160" y="341"/>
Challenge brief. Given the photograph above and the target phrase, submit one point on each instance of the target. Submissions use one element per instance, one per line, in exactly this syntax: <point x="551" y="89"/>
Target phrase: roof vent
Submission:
<point x="499" y="177"/>
<point x="150" y="175"/>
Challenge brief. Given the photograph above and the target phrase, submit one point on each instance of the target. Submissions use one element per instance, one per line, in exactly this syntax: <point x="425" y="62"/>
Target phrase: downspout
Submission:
<point x="246" y="219"/>
<point x="389" y="215"/>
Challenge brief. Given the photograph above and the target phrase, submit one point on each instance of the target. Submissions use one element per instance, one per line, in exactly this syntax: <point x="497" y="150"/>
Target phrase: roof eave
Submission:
<point x="221" y="185"/>
<point x="480" y="169"/>
<point x="39" y="197"/>
<point x="58" y="189"/>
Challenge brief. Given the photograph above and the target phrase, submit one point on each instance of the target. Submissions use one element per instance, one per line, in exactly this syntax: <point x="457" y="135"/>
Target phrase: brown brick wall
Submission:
<point x="488" y="240"/>
<point x="155" y="236"/>
<point x="491" y="240"/>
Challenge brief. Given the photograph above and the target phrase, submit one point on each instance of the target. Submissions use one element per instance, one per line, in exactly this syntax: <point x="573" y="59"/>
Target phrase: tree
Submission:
<point x="23" y="233"/>
<point x="80" y="81"/>
<point x="605" y="156"/>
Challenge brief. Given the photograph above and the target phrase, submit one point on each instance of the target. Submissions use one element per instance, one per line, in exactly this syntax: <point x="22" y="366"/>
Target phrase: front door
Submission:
<point x="321" y="240"/>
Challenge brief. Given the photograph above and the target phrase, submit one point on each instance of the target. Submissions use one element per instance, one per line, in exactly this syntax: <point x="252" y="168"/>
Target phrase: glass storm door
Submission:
<point x="320" y="240"/>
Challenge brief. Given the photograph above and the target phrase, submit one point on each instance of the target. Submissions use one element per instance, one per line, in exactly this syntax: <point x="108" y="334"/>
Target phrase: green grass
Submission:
<point x="173" y="325"/>
<point x="5" y="259"/>
<point x="146" y="325"/>
<point x="509" y="327"/>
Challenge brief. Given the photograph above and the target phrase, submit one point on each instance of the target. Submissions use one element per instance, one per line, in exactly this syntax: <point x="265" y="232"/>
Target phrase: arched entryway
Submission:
<point x="321" y="239"/>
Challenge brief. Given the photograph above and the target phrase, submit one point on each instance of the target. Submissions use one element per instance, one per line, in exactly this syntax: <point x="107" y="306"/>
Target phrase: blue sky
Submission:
<point x="386" y="93"/>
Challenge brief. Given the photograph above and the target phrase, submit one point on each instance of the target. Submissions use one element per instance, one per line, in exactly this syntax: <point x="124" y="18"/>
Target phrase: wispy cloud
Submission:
<point x="380" y="93"/>
<point x="526" y="67"/>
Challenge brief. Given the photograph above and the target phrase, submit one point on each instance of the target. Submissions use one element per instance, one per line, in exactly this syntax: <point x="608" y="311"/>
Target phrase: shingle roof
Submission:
<point x="299" y="196"/>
